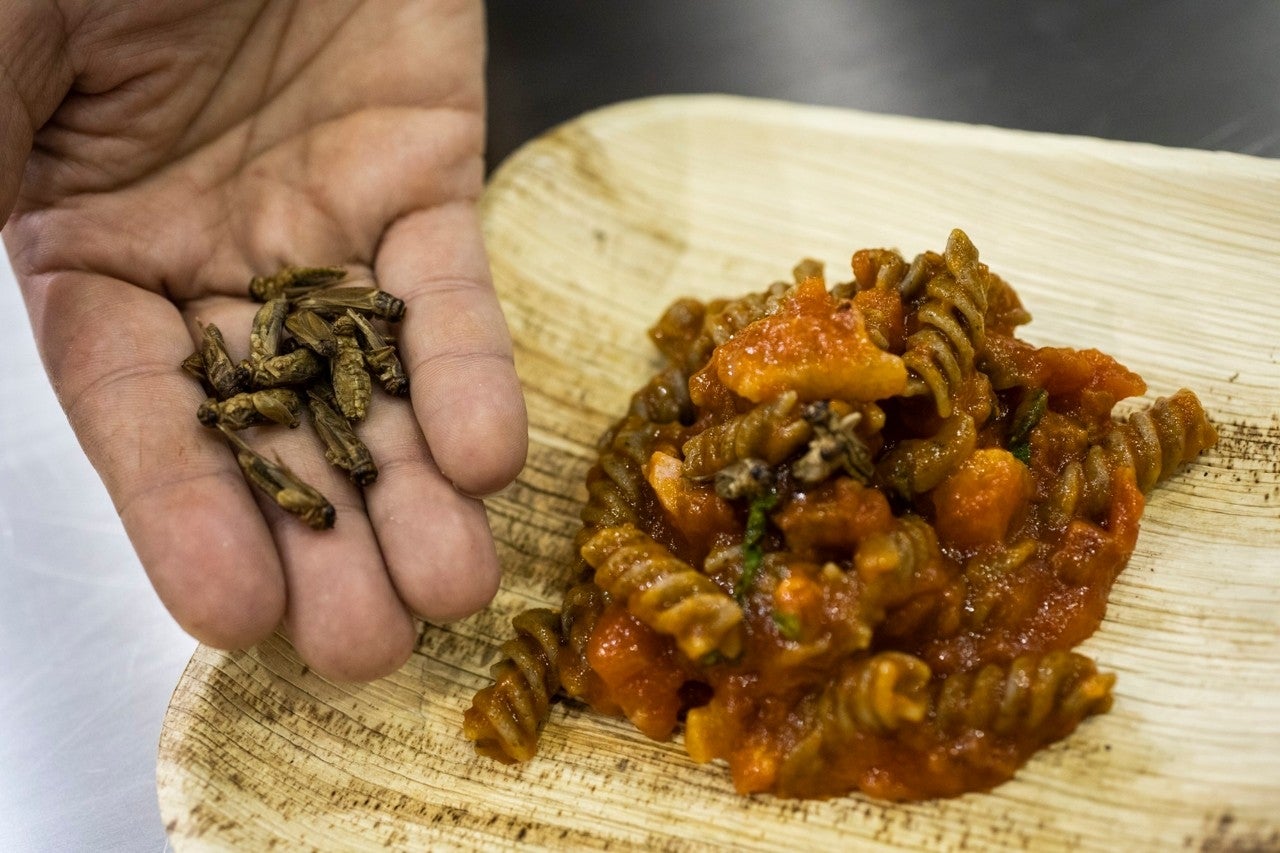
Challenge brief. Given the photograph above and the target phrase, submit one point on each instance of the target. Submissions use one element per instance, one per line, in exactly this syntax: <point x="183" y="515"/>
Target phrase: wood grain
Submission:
<point x="1166" y="259"/>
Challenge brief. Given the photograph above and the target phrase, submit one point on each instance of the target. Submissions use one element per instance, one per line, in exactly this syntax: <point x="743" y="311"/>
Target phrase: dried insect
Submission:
<point x="835" y="444"/>
<point x="311" y="329"/>
<point x="351" y="384"/>
<point x="225" y="376"/>
<point x="251" y="408"/>
<point x="306" y="337"/>
<point x="282" y="485"/>
<point x="745" y="478"/>
<point x="367" y="300"/>
<point x="343" y="448"/>
<point x="381" y="356"/>
<point x="293" y="282"/>
<point x="194" y="365"/>
<point x="292" y="368"/>
<point x="264" y="334"/>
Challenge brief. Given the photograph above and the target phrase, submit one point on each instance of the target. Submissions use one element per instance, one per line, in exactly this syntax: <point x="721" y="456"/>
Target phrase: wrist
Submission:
<point x="34" y="77"/>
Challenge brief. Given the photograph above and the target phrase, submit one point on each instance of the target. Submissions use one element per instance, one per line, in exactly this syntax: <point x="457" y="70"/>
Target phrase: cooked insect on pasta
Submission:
<point x="835" y="445"/>
<point x="848" y="533"/>
<point x="744" y="478"/>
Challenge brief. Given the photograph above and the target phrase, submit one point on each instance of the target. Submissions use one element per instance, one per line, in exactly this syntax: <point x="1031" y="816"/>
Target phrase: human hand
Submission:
<point x="201" y="144"/>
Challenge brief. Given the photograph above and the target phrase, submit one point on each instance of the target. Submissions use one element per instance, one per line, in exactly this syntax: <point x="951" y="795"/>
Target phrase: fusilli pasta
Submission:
<point x="847" y="534"/>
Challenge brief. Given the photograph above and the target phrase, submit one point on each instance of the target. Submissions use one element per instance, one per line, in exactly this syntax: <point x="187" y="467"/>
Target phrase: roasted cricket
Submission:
<point x="225" y="376"/>
<point x="351" y="385"/>
<point x="264" y="335"/>
<point x="313" y="332"/>
<point x="343" y="447"/>
<point x="283" y="486"/>
<point x="381" y="356"/>
<point x="369" y="300"/>
<point x="294" y="281"/>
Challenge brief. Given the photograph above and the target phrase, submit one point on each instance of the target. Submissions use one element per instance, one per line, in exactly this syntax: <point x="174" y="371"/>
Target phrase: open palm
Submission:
<point x="201" y="144"/>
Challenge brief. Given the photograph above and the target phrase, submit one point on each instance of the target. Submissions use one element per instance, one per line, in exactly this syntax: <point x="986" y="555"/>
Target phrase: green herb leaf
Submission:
<point x="752" y="553"/>
<point x="788" y="624"/>
<point x="1029" y="412"/>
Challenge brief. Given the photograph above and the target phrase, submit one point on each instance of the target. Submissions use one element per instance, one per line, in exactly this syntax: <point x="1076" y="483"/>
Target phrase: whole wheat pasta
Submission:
<point x="848" y="533"/>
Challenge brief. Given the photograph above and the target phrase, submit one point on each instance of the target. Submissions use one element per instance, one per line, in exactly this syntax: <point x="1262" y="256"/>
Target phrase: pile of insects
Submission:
<point x="312" y="343"/>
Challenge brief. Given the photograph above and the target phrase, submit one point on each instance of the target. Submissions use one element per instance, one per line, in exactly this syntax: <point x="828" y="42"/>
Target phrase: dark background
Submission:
<point x="1189" y="73"/>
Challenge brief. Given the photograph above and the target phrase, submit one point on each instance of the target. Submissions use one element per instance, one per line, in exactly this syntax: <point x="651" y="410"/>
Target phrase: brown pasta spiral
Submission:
<point x="871" y="695"/>
<point x="665" y="398"/>
<point x="664" y="592"/>
<point x="771" y="431"/>
<point x="581" y="609"/>
<point x="725" y="318"/>
<point x="910" y="585"/>
<point x="876" y="694"/>
<point x="941" y="353"/>
<point x="1042" y="694"/>
<point x="916" y="465"/>
<point x="616" y="488"/>
<point x="678" y="331"/>
<point x="887" y="561"/>
<point x="1157" y="440"/>
<point x="505" y="719"/>
<point x="1153" y="442"/>
<point x="924" y="267"/>
<point x="983" y="579"/>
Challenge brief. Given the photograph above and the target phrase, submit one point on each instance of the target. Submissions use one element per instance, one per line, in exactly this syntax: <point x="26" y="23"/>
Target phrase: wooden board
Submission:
<point x="1167" y="259"/>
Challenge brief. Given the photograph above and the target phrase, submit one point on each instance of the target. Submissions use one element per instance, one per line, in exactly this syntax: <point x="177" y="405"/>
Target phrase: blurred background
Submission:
<point x="1171" y="72"/>
<point x="90" y="656"/>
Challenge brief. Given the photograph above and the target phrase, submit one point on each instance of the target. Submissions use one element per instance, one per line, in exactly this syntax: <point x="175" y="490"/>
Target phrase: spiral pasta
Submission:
<point x="665" y="593"/>
<point x="616" y="489"/>
<point x="724" y="318"/>
<point x="952" y="326"/>
<point x="770" y="431"/>
<point x="1048" y="693"/>
<point x="1152" y="441"/>
<point x="665" y="398"/>
<point x="917" y="465"/>
<point x="848" y="533"/>
<point x="581" y="609"/>
<point x="879" y="694"/>
<point x="505" y="719"/>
